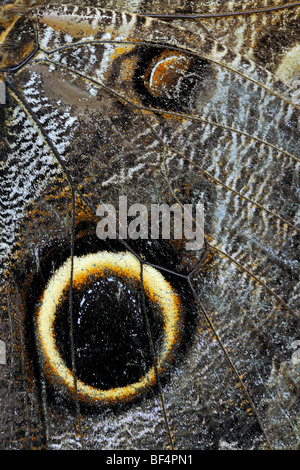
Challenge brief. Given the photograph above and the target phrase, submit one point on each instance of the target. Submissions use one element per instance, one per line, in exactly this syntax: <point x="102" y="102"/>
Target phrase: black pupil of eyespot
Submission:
<point x="110" y="333"/>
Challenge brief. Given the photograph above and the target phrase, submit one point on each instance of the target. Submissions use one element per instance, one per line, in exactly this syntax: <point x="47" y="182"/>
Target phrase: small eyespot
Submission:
<point x="165" y="76"/>
<point x="173" y="79"/>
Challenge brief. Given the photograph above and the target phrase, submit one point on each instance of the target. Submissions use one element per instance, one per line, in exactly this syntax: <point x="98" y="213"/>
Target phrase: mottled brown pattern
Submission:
<point x="82" y="124"/>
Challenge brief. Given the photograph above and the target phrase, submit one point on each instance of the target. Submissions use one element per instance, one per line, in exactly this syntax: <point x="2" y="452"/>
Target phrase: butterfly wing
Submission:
<point x="106" y="106"/>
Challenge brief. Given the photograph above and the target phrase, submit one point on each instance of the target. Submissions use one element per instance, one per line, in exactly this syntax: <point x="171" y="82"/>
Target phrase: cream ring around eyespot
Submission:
<point x="124" y="264"/>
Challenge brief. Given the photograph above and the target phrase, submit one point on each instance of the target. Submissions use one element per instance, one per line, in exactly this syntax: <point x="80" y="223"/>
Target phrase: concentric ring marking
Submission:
<point x="125" y="265"/>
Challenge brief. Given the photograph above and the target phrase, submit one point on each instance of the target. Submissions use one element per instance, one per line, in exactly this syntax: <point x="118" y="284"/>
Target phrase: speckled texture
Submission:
<point x="83" y="110"/>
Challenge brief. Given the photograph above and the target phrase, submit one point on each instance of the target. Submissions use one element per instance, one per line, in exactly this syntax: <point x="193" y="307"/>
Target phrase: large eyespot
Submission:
<point x="102" y="378"/>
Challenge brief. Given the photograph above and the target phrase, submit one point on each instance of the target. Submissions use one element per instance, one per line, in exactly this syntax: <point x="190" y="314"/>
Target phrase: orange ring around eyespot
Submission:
<point x="156" y="288"/>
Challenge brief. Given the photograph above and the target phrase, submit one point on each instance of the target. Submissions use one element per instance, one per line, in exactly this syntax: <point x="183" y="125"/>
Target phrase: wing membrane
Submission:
<point x="228" y="137"/>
